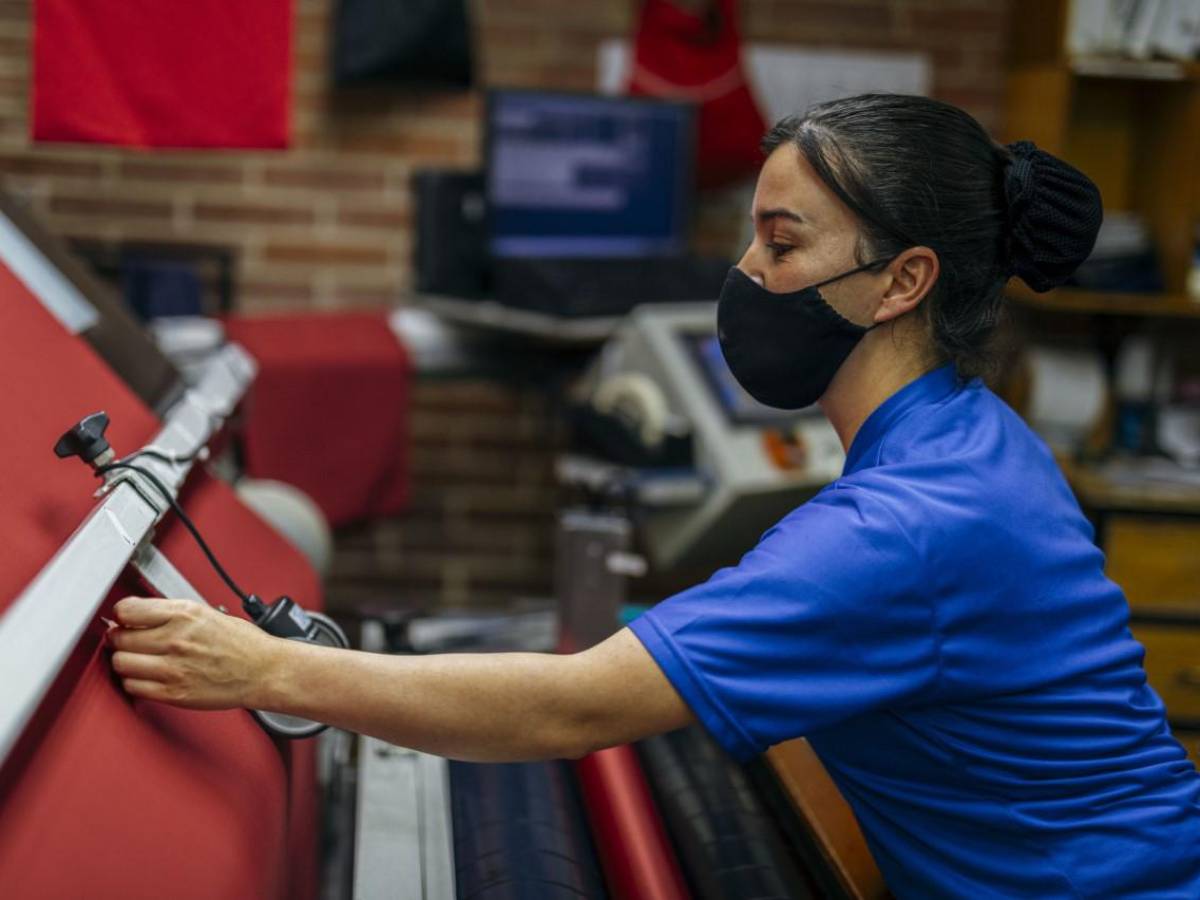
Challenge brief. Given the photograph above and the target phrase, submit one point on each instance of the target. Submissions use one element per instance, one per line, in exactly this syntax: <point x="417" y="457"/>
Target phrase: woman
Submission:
<point x="936" y="621"/>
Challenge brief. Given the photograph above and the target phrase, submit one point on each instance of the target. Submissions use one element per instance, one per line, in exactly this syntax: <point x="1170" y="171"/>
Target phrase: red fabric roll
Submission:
<point x="328" y="411"/>
<point x="144" y="73"/>
<point x="103" y="795"/>
<point x="639" y="862"/>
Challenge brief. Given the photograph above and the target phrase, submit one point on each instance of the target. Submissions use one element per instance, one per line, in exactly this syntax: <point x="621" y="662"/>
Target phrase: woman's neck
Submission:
<point x="886" y="360"/>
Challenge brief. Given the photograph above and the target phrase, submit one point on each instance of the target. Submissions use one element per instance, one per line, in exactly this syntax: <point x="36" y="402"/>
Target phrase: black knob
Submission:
<point x="85" y="440"/>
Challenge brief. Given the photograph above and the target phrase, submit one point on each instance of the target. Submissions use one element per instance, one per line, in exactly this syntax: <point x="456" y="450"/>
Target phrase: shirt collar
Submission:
<point x="929" y="388"/>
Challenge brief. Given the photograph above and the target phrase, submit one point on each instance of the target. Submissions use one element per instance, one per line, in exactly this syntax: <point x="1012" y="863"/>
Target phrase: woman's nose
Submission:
<point x="750" y="269"/>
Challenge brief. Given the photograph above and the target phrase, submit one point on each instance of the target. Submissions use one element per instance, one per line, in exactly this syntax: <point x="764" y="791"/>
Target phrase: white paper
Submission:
<point x="787" y="79"/>
<point x="1179" y="434"/>
<point x="1067" y="392"/>
<point x="1178" y="32"/>
<point x="1139" y="42"/>
<point x="1085" y="29"/>
<point x="1121" y="14"/>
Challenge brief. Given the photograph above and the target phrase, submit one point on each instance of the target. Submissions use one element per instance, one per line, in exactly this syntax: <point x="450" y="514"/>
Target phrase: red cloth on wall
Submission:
<point x="147" y="73"/>
<point x="328" y="411"/>
<point x="104" y="795"/>
<point x="684" y="56"/>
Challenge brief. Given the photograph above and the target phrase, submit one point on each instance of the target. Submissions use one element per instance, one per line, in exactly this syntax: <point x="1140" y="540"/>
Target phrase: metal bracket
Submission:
<point x="140" y="485"/>
<point x="160" y="573"/>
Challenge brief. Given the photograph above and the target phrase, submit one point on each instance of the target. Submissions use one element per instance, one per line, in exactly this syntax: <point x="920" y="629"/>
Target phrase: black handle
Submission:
<point x="85" y="440"/>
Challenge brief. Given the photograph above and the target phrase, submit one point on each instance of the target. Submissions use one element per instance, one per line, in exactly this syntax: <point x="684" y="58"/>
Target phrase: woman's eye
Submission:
<point x="779" y="250"/>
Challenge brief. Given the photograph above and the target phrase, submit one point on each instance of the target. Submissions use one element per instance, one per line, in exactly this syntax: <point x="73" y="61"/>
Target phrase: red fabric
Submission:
<point x="147" y="73"/>
<point x="53" y="380"/>
<point x="686" y="56"/>
<point x="262" y="562"/>
<point x="328" y="411"/>
<point x="639" y="862"/>
<point x="304" y="821"/>
<point x="103" y="795"/>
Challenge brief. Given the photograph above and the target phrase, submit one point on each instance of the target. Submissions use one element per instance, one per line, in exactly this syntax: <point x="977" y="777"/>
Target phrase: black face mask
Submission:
<point x="784" y="349"/>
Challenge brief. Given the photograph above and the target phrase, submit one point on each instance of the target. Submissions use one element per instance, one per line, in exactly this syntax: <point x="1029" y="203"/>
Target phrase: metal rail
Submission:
<point x="404" y="847"/>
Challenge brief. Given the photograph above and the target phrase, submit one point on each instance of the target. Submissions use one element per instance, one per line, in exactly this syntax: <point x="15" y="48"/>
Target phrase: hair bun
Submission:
<point x="1054" y="214"/>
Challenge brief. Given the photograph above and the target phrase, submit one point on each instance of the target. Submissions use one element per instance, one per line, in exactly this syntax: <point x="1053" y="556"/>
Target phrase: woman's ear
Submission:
<point x="913" y="275"/>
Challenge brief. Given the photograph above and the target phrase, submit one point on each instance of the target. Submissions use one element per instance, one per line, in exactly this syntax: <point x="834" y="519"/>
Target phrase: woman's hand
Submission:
<point x="189" y="654"/>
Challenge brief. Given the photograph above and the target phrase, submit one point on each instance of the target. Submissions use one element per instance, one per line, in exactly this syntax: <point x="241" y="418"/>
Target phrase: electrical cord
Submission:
<point x="253" y="605"/>
<point x="173" y="459"/>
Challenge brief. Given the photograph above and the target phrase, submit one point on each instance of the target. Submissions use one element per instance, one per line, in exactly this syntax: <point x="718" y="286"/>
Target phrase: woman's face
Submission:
<point x="804" y="234"/>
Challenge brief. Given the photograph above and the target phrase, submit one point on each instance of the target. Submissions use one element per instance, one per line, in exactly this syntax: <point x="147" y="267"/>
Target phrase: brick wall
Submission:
<point x="479" y="528"/>
<point x="326" y="225"/>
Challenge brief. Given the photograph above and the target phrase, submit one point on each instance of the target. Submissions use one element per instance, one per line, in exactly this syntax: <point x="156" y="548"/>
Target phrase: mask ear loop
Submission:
<point x="863" y="268"/>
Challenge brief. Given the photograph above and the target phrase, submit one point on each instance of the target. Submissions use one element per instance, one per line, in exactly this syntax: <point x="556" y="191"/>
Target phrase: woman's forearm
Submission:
<point x="484" y="707"/>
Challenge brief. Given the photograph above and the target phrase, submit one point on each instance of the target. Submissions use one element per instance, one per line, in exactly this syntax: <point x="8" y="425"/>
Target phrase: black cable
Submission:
<point x="251" y="603"/>
<point x="158" y="454"/>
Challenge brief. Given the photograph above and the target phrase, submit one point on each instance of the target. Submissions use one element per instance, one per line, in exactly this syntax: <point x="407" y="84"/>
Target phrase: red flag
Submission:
<point x="149" y="73"/>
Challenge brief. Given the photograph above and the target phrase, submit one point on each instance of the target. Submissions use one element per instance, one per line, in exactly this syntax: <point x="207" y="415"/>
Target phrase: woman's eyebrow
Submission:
<point x="779" y="212"/>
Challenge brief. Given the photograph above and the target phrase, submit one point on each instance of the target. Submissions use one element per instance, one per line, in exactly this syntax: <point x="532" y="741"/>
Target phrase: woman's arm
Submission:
<point x="476" y="706"/>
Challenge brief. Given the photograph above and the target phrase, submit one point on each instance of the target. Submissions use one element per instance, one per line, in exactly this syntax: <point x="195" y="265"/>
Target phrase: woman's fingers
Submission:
<point x="146" y="612"/>
<point x="139" y="640"/>
<point x="141" y="666"/>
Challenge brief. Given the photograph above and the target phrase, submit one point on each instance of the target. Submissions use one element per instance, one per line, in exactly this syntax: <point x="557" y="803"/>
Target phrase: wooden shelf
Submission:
<point x="1074" y="300"/>
<point x="1096" y="489"/>
<point x="1123" y="68"/>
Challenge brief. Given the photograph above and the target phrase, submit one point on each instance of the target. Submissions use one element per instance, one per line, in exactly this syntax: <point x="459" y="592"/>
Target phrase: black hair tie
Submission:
<point x="1054" y="214"/>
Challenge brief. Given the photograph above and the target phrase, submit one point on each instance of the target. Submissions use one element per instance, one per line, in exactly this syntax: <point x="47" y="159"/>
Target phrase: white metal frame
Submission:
<point x="44" y="279"/>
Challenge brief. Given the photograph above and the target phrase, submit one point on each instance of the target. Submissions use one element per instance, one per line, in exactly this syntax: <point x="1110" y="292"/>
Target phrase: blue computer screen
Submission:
<point x="587" y="176"/>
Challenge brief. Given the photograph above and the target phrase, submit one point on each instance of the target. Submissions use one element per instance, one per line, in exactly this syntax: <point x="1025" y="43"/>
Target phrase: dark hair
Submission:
<point x="920" y="172"/>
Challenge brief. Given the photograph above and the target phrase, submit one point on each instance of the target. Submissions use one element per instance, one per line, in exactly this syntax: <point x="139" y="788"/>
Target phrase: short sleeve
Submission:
<point x="823" y="620"/>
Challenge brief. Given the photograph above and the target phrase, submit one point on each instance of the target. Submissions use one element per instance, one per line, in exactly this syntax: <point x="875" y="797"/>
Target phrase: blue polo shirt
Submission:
<point x="938" y="624"/>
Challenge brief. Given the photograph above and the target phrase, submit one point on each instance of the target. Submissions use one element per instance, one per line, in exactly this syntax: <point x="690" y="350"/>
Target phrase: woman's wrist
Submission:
<point x="268" y="685"/>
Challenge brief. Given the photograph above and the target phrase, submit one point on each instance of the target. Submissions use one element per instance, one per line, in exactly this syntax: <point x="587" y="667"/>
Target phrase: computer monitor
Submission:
<point x="587" y="176"/>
